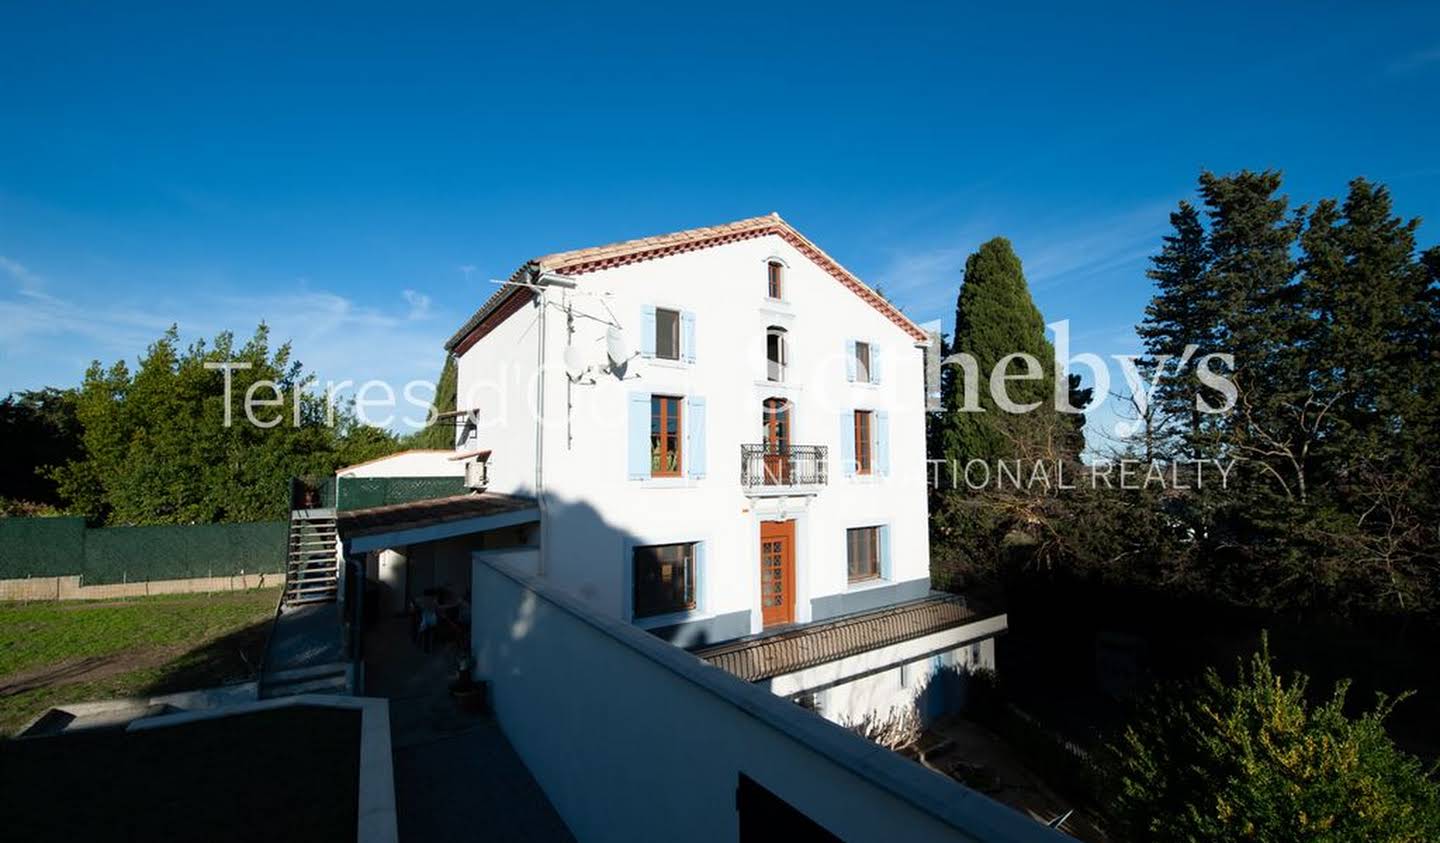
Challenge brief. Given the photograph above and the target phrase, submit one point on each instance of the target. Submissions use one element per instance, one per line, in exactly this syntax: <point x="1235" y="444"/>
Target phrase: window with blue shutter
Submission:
<point x="885" y="564"/>
<point x="647" y="330"/>
<point x="695" y="437"/>
<point x="638" y="437"/>
<point x="847" y="443"/>
<point x="882" y="442"/>
<point x="687" y="336"/>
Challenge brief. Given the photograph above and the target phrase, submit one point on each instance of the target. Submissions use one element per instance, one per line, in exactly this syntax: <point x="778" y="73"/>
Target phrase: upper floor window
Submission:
<point x="664" y="579"/>
<point x="775" y="353"/>
<point x="667" y="334"/>
<point x="863" y="426"/>
<point x="665" y="436"/>
<point x="862" y="362"/>
<point x="776" y="278"/>
<point x="862" y="552"/>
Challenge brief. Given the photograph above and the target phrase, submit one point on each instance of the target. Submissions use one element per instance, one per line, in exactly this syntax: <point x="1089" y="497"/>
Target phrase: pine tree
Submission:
<point x="1365" y="291"/>
<point x="1182" y="313"/>
<point x="995" y="317"/>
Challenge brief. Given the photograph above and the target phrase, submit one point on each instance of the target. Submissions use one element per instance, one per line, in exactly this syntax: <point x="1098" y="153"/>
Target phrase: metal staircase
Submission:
<point x="312" y="568"/>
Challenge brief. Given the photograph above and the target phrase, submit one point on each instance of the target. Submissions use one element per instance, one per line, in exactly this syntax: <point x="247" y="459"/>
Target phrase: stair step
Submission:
<point x="327" y="685"/>
<point x="308" y="600"/>
<point x="304" y="674"/>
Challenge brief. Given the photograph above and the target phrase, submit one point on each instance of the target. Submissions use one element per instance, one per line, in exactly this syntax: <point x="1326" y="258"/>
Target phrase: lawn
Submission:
<point x="53" y="653"/>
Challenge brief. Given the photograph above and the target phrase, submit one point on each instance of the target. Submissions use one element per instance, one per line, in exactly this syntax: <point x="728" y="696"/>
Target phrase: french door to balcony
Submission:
<point x="777" y="442"/>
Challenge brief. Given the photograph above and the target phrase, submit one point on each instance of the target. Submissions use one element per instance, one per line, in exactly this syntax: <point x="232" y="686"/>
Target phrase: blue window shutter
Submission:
<point x="885" y="566"/>
<point x="638" y="467"/>
<point x="647" y="330"/>
<point x="695" y="437"/>
<point x="687" y="336"/>
<point x="847" y="443"/>
<point x="875" y="367"/>
<point x="849" y="360"/>
<point x="882" y="441"/>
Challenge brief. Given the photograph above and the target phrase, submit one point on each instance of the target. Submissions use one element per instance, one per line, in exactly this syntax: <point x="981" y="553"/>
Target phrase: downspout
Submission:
<point x="542" y="280"/>
<point x="540" y="566"/>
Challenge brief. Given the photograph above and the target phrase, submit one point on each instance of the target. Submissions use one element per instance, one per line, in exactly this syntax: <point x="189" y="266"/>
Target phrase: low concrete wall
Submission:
<point x="633" y="739"/>
<point x="70" y="588"/>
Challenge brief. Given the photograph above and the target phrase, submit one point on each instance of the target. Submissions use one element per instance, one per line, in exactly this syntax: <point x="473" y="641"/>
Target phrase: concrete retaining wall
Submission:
<point x="634" y="740"/>
<point x="70" y="588"/>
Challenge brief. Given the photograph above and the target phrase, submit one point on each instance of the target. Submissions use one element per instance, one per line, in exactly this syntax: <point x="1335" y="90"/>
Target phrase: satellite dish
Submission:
<point x="574" y="365"/>
<point x="616" y="348"/>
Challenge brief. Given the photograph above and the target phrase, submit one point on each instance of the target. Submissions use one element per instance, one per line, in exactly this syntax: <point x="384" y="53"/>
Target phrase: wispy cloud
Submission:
<point x="419" y="304"/>
<point x="1417" y="60"/>
<point x="51" y="334"/>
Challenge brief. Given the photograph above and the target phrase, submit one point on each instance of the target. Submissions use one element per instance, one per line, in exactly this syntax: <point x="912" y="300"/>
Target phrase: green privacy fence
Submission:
<point x="57" y="547"/>
<point x="365" y="492"/>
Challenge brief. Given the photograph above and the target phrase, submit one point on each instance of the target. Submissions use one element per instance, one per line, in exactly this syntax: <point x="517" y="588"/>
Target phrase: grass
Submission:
<point x="290" y="774"/>
<point x="52" y="653"/>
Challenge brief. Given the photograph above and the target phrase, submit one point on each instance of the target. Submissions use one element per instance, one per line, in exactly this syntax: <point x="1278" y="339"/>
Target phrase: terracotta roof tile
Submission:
<point x="768" y="655"/>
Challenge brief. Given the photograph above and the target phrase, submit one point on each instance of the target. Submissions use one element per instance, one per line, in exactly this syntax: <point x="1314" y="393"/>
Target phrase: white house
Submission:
<point x="724" y="433"/>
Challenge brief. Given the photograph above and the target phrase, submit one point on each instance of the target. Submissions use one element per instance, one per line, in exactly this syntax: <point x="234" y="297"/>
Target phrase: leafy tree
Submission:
<point x="158" y="449"/>
<point x="1254" y="760"/>
<point x="995" y="318"/>
<point x="40" y="430"/>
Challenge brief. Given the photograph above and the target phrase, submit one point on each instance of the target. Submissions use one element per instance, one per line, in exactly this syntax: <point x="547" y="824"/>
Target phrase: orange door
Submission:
<point x="777" y="572"/>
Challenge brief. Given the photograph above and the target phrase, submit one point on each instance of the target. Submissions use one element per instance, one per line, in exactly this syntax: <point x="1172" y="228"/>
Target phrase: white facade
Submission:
<point x="561" y="422"/>
<point x="596" y="513"/>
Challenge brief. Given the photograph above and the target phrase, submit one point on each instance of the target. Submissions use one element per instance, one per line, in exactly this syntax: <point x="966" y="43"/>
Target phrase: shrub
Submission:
<point x="1253" y="760"/>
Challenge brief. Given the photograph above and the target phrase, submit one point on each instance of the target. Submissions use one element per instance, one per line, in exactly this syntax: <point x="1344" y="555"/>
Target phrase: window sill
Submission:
<point x="867" y="585"/>
<point x="668" y="482"/>
<point x="785" y="386"/>
<point x="666" y="363"/>
<point x="865" y="384"/>
<point x="658" y="621"/>
<point x="866" y="479"/>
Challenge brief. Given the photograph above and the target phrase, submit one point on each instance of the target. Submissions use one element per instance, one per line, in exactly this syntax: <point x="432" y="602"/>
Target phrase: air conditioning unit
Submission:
<point x="477" y="475"/>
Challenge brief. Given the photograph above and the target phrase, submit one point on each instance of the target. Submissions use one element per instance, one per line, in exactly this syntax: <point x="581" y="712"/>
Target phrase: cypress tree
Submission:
<point x="995" y="317"/>
<point x="441" y="434"/>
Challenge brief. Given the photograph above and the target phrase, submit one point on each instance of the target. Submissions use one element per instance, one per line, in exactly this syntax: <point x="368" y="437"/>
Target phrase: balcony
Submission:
<point x="782" y="468"/>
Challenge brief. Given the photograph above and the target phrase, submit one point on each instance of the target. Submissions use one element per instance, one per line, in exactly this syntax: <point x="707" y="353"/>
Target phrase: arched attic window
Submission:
<point x="775" y="279"/>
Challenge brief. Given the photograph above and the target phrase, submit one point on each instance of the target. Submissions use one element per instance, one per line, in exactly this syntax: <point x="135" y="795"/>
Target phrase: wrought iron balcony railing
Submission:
<point x="770" y="466"/>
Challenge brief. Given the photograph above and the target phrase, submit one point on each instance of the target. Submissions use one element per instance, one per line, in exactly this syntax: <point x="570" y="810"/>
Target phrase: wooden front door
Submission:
<point x="777" y="572"/>
<point x="777" y="441"/>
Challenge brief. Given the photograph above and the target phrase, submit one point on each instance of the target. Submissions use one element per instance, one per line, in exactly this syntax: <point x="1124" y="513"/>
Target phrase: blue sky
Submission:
<point x="356" y="175"/>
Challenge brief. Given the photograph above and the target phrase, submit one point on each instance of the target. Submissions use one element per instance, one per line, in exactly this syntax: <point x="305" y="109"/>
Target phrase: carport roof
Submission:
<point x="427" y="513"/>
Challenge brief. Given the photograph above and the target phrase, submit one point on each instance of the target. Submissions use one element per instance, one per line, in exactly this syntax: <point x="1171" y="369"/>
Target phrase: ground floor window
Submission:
<point x="664" y="579"/>
<point x="862" y="550"/>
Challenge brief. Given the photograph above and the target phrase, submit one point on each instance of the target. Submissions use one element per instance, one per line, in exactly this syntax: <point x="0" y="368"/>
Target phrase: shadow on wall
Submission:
<point x="594" y="560"/>
<point x="943" y="692"/>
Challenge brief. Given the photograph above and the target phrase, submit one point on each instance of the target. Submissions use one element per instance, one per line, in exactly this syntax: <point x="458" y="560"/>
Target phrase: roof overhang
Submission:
<point x="398" y="525"/>
<point x="510" y="297"/>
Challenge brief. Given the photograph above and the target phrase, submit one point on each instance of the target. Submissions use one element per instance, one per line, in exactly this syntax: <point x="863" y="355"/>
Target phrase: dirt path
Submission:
<point x="87" y="669"/>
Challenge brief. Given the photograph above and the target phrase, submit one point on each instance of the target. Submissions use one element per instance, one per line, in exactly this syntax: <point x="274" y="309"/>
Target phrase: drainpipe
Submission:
<point x="542" y="280"/>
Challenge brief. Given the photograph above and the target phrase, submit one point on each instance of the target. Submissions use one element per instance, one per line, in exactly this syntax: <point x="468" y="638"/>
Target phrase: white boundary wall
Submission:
<point x="633" y="739"/>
